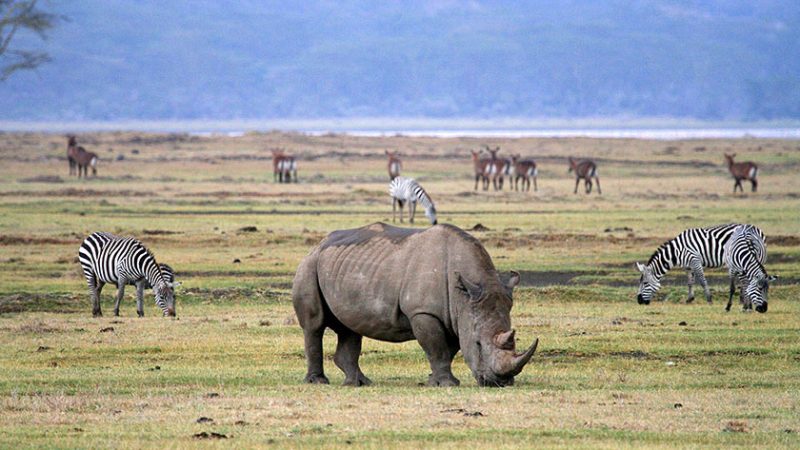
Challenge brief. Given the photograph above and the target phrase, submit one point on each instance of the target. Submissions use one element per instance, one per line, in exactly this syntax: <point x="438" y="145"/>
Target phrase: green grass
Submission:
<point x="609" y="373"/>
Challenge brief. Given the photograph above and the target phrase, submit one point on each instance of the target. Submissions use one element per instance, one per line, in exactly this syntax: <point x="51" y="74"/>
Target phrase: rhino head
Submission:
<point x="484" y="330"/>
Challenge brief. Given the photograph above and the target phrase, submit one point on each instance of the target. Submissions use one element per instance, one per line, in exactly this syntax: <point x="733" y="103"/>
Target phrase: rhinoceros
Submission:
<point x="437" y="285"/>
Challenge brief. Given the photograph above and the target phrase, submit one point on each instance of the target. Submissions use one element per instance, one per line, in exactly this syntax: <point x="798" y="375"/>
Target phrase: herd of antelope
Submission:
<point x="493" y="170"/>
<point x="488" y="169"/>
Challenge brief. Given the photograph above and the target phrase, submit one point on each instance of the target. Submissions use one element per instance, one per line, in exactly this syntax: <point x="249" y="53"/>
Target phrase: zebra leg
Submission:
<point x="700" y="277"/>
<point x="140" y="298"/>
<point x="535" y="187"/>
<point x="348" y="350"/>
<point x="394" y="208"/>
<point x="597" y="179"/>
<point x="730" y="295"/>
<point x="438" y="348"/>
<point x="120" y="294"/>
<point x="95" y="288"/>
<point x="412" y="211"/>
<point x="690" y="276"/>
<point x="400" y="205"/>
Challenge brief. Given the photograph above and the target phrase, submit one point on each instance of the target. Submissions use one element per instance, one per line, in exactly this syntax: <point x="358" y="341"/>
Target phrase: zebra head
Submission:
<point x="757" y="290"/>
<point x="649" y="284"/>
<point x="165" y="297"/>
<point x="431" y="214"/>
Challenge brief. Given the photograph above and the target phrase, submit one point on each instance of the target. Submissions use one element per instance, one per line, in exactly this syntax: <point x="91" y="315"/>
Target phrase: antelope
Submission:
<point x="524" y="169"/>
<point x="497" y="169"/>
<point x="584" y="169"/>
<point x="742" y="171"/>
<point x="284" y="167"/>
<point x="277" y="157"/>
<point x="72" y="152"/>
<point x="481" y="167"/>
<point x="85" y="159"/>
<point x="394" y="164"/>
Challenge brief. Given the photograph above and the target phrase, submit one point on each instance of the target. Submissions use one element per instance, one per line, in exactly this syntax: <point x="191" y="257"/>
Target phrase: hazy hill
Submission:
<point x="149" y="59"/>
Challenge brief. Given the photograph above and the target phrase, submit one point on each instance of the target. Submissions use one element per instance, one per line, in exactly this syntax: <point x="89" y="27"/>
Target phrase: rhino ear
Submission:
<point x="513" y="281"/>
<point x="471" y="290"/>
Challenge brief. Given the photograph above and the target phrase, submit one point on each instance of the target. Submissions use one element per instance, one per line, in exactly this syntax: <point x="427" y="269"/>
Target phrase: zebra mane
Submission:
<point x="752" y="249"/>
<point x="659" y="251"/>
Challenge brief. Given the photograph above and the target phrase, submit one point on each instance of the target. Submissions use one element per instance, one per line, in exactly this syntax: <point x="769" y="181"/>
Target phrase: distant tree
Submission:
<point x="15" y="16"/>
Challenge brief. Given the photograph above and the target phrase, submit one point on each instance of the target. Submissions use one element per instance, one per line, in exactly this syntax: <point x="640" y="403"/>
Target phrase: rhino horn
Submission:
<point x="505" y="340"/>
<point x="511" y="365"/>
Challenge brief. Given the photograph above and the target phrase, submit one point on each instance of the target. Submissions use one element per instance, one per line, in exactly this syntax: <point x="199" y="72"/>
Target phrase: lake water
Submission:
<point x="416" y="127"/>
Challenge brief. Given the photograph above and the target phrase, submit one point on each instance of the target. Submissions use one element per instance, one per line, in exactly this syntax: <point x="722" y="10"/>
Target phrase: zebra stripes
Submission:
<point x="743" y="256"/>
<point x="407" y="190"/>
<point x="693" y="249"/>
<point x="107" y="258"/>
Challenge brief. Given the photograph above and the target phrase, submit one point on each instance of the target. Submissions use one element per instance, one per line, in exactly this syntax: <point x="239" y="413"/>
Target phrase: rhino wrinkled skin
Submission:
<point x="437" y="285"/>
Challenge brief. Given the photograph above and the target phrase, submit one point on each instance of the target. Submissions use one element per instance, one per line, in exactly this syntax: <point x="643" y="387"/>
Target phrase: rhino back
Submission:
<point x="375" y="278"/>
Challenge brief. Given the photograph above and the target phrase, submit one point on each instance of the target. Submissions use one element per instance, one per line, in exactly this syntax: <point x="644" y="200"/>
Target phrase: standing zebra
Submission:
<point x="524" y="169"/>
<point x="394" y="164"/>
<point x="407" y="190"/>
<point x="746" y="170"/>
<point x="745" y="266"/>
<point x="107" y="258"/>
<point x="584" y="169"/>
<point x="693" y="249"/>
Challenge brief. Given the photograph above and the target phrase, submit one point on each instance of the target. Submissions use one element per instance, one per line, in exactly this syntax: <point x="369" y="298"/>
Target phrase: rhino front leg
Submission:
<point x="431" y="335"/>
<point x="348" y="350"/>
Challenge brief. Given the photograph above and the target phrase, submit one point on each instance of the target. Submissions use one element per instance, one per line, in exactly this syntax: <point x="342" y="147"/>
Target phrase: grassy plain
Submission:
<point x="609" y="373"/>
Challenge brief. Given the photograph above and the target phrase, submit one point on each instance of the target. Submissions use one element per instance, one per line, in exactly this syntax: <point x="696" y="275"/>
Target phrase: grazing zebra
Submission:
<point x="481" y="168"/>
<point x="742" y="256"/>
<point x="407" y="190"/>
<point x="107" y="258"/>
<point x="84" y="160"/>
<point x="693" y="249"/>
<point x="742" y="171"/>
<point x="524" y="169"/>
<point x="584" y="169"/>
<point x="72" y="153"/>
<point x="394" y="164"/>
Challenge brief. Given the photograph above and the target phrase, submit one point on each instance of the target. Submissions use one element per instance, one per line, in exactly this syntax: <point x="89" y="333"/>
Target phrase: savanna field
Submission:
<point x="229" y="369"/>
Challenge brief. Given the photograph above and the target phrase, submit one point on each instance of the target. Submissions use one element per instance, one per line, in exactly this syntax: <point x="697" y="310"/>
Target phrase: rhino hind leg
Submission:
<point x="440" y="350"/>
<point x="313" y="340"/>
<point x="348" y="350"/>
<point x="310" y="309"/>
